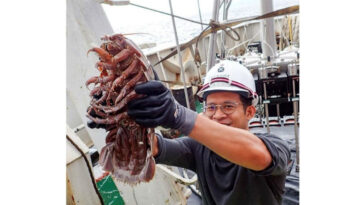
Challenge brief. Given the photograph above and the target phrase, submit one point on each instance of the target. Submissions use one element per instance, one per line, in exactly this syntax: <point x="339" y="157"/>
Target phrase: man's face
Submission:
<point x="238" y="118"/>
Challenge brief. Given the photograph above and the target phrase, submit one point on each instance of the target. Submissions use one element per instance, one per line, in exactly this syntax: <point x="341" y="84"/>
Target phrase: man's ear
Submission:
<point x="250" y="112"/>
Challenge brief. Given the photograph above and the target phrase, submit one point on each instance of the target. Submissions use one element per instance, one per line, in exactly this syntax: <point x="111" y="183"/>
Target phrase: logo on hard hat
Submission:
<point x="221" y="69"/>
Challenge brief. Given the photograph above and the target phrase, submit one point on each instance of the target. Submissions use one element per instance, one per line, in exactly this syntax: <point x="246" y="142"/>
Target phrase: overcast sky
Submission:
<point x="187" y="8"/>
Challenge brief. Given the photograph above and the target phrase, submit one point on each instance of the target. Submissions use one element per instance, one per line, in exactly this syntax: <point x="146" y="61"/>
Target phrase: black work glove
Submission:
<point x="159" y="108"/>
<point x="91" y="124"/>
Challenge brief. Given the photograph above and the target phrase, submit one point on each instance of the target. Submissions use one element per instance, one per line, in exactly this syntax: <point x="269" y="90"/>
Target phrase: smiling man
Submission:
<point x="234" y="166"/>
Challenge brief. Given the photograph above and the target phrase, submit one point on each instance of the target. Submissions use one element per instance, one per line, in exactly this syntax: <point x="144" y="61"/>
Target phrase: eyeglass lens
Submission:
<point x="226" y="108"/>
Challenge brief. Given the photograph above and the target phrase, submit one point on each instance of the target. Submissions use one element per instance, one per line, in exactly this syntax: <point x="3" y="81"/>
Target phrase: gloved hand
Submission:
<point x="91" y="124"/>
<point x="159" y="108"/>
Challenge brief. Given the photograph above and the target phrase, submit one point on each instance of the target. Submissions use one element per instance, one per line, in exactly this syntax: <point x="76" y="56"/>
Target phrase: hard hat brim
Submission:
<point x="204" y="93"/>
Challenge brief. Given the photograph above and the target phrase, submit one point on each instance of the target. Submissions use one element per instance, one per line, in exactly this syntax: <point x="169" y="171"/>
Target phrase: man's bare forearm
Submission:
<point x="236" y="145"/>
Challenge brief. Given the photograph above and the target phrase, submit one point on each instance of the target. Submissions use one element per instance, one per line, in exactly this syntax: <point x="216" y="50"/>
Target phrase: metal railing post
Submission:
<point x="180" y="57"/>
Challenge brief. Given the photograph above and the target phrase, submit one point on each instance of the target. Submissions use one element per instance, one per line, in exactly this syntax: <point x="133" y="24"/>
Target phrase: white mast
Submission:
<point x="267" y="30"/>
<point x="211" y="52"/>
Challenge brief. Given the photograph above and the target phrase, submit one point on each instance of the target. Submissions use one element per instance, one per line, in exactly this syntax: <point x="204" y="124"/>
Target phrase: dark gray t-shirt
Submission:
<point x="225" y="183"/>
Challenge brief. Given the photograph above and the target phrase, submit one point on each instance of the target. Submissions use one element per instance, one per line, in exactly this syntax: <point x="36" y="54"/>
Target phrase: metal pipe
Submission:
<point x="296" y="124"/>
<point x="224" y="17"/>
<point x="267" y="29"/>
<point x="227" y="4"/>
<point x="211" y="52"/>
<point x="266" y="107"/>
<point x="203" y="43"/>
<point x="162" y="12"/>
<point x="278" y="113"/>
<point x="260" y="111"/>
<point x="180" y="57"/>
<point x="162" y="68"/>
<point x="197" y="67"/>
<point x="199" y="13"/>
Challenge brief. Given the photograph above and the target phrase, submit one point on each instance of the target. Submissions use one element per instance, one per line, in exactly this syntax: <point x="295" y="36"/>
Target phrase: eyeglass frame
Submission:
<point x="222" y="109"/>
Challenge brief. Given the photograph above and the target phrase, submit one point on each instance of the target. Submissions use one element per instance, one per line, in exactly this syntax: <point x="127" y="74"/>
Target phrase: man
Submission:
<point x="234" y="166"/>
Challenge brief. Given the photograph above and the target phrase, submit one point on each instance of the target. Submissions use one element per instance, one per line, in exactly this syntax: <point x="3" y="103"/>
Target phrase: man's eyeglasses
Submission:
<point x="227" y="108"/>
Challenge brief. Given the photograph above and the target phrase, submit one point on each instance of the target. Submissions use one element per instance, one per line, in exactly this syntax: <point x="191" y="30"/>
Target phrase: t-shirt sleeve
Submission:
<point x="280" y="153"/>
<point x="176" y="152"/>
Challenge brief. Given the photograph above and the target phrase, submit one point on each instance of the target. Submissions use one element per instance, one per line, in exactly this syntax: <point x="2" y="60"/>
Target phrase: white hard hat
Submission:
<point x="229" y="76"/>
